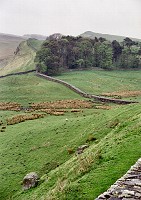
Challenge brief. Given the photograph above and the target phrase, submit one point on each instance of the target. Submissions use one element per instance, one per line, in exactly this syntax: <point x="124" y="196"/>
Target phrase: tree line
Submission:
<point x="59" y="53"/>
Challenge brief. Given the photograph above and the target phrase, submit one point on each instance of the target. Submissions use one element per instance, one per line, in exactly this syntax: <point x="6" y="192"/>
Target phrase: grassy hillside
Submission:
<point x="109" y="37"/>
<point x="47" y="143"/>
<point x="119" y="84"/>
<point x="42" y="145"/>
<point x="25" y="89"/>
<point x="43" y="123"/>
<point x="24" y="58"/>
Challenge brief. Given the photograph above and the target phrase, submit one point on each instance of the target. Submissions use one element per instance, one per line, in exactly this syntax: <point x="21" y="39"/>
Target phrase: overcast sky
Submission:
<point x="73" y="17"/>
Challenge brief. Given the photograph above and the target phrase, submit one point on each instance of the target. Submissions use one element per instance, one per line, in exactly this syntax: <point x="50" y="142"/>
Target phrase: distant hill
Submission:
<point x="23" y="59"/>
<point x="8" y="44"/>
<point x="92" y="35"/>
<point x="35" y="36"/>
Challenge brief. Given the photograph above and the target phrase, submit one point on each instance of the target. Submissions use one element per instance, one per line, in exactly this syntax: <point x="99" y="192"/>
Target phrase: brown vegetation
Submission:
<point x="21" y="118"/>
<point x="13" y="106"/>
<point x="63" y="104"/>
<point x="123" y="94"/>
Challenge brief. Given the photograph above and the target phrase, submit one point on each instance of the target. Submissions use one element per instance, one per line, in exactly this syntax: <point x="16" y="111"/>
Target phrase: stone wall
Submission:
<point x="86" y="95"/>
<point x="127" y="187"/>
<point x="18" y="73"/>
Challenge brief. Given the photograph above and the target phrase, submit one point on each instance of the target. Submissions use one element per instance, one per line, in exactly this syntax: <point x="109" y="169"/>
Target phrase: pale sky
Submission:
<point x="71" y="17"/>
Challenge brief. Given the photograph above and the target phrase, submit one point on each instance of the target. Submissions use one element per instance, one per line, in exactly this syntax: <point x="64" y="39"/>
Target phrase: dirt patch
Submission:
<point x="63" y="104"/>
<point x="123" y="94"/>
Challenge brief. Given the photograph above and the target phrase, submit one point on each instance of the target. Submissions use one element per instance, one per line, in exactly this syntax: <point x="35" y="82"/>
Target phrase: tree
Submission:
<point x="104" y="52"/>
<point x="117" y="50"/>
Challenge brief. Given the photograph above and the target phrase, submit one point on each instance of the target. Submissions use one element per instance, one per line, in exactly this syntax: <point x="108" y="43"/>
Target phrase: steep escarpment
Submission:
<point x="23" y="60"/>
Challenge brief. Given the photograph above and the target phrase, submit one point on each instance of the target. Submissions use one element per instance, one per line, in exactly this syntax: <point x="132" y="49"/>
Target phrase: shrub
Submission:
<point x="114" y="123"/>
<point x="91" y="138"/>
<point x="70" y="151"/>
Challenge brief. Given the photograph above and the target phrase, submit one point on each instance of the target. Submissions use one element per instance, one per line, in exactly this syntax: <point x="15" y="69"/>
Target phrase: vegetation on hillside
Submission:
<point x="67" y="52"/>
<point x="23" y="59"/>
<point x="43" y="124"/>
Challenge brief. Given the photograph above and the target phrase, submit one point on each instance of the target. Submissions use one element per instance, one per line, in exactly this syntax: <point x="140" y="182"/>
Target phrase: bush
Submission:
<point x="91" y="138"/>
<point x="70" y="151"/>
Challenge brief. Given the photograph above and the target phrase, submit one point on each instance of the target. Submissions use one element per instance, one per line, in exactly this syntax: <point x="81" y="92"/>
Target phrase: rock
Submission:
<point x="81" y="148"/>
<point x="30" y="180"/>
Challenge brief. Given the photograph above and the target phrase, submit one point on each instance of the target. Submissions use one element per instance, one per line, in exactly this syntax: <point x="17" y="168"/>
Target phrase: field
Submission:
<point x="119" y="84"/>
<point x="43" y="123"/>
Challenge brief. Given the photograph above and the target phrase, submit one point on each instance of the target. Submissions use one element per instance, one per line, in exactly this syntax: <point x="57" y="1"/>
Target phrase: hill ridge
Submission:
<point x="110" y="37"/>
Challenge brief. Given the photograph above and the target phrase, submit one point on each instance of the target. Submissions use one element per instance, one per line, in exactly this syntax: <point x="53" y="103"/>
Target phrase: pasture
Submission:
<point x="43" y="123"/>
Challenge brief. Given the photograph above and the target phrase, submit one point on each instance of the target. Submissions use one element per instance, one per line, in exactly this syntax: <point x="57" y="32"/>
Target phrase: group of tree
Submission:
<point x="59" y="53"/>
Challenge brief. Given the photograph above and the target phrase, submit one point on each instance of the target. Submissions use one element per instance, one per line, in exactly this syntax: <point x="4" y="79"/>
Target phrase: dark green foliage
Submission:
<point x="66" y="52"/>
<point x="117" y="50"/>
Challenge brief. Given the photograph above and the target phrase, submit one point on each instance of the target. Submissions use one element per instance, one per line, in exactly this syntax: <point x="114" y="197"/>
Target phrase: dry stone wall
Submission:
<point x="127" y="187"/>
<point x="86" y="95"/>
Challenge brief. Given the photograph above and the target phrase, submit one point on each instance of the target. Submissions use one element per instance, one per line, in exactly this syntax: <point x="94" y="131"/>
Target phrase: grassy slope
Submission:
<point x="18" y="89"/>
<point x="40" y="145"/>
<point x="24" y="59"/>
<point x="98" y="82"/>
<point x="84" y="177"/>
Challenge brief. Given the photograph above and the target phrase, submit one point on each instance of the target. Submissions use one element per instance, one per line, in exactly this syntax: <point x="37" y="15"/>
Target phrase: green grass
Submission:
<point x="26" y="89"/>
<point x="98" y="82"/>
<point x="114" y="151"/>
<point x="42" y="145"/>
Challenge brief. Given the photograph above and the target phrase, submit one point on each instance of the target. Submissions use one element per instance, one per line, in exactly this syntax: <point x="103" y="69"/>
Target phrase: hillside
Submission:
<point x="24" y="57"/>
<point x="43" y="143"/>
<point x="109" y="37"/>
<point x="43" y="124"/>
<point x="35" y="36"/>
<point x="8" y="44"/>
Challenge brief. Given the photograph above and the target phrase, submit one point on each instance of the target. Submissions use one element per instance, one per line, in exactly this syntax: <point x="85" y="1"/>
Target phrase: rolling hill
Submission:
<point x="109" y="37"/>
<point x="42" y="125"/>
<point x="35" y="36"/>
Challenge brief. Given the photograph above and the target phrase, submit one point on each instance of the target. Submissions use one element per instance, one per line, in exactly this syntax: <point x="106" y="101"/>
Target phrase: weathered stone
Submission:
<point x="127" y="193"/>
<point x="127" y="187"/>
<point x="81" y="148"/>
<point x="30" y="180"/>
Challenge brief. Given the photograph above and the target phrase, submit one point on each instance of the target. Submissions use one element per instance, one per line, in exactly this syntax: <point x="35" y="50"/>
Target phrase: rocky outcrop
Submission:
<point x="127" y="187"/>
<point x="30" y="180"/>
